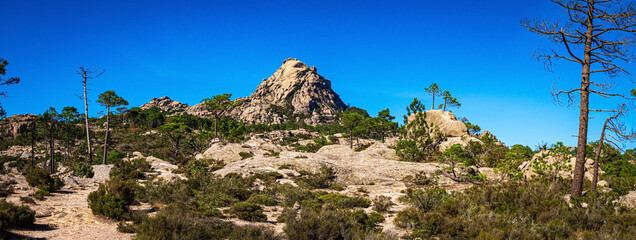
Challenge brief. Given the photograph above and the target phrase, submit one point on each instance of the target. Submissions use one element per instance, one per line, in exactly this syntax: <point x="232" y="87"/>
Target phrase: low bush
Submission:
<point x="179" y="221"/>
<point x="262" y="199"/>
<point x="342" y="201"/>
<point x="248" y="211"/>
<point x="322" y="179"/>
<point x="40" y="178"/>
<point x="102" y="203"/>
<point x="83" y="169"/>
<point x="40" y="193"/>
<point x="245" y="155"/>
<point x="382" y="203"/>
<point x="330" y="224"/>
<point x="12" y="216"/>
<point x="124" y="189"/>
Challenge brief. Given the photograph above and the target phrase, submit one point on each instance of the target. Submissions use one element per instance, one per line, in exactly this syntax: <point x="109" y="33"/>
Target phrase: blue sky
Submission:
<point x="378" y="54"/>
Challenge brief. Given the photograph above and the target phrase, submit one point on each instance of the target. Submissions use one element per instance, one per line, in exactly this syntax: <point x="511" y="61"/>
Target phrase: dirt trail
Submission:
<point x="65" y="214"/>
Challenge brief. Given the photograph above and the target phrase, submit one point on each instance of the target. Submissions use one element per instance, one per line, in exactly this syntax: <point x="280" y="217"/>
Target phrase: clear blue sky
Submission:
<point x="378" y="54"/>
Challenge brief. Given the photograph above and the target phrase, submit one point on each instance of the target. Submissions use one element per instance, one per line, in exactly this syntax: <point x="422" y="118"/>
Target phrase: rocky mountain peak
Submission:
<point x="294" y="86"/>
<point x="165" y="104"/>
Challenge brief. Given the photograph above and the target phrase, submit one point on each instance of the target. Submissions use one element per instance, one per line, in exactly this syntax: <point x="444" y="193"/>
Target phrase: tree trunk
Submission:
<point x="598" y="155"/>
<point x="215" y="121"/>
<point x="579" y="167"/>
<point x="351" y="138"/>
<point x="433" y="107"/>
<point x="33" y="143"/>
<point x="88" y="133"/>
<point x="106" y="137"/>
<point x="52" y="149"/>
<point x="444" y="105"/>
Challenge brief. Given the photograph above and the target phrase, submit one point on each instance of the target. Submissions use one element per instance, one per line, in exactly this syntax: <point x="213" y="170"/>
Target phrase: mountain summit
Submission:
<point x="294" y="92"/>
<point x="294" y="89"/>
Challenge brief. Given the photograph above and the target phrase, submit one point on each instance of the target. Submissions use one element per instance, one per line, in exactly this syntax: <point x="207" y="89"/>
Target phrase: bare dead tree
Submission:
<point x="617" y="134"/>
<point x="88" y="73"/>
<point x="597" y="36"/>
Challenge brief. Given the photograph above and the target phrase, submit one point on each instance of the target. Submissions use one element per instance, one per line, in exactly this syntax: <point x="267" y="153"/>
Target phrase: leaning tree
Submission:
<point x="109" y="99"/>
<point x="597" y="35"/>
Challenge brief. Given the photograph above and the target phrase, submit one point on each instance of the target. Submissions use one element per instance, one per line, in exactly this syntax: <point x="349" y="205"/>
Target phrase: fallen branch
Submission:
<point x="458" y="179"/>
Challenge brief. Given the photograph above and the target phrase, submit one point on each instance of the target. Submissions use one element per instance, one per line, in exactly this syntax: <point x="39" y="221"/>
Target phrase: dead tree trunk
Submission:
<point x="106" y="137"/>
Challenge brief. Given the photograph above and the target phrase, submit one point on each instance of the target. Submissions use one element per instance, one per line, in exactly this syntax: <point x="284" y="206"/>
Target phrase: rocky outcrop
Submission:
<point x="294" y="88"/>
<point x="14" y="125"/>
<point x="550" y="158"/>
<point x="165" y="104"/>
<point x="445" y="127"/>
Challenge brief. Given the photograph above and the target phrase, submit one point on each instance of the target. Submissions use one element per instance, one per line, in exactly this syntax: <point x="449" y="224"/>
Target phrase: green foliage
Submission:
<point x="550" y="170"/>
<point x="113" y="157"/>
<point x="382" y="203"/>
<point x="415" y="142"/>
<point x="329" y="224"/>
<point x="322" y="179"/>
<point x="122" y="188"/>
<point x="177" y="133"/>
<point x="434" y="91"/>
<point x="245" y="155"/>
<point x="426" y="200"/>
<point x="40" y="193"/>
<point x="110" y="99"/>
<point x="450" y="101"/>
<point x="262" y="199"/>
<point x="343" y="201"/>
<point x="513" y="210"/>
<point x="130" y="169"/>
<point x="106" y="204"/>
<point x="248" y="211"/>
<point x="12" y="216"/>
<point x="37" y="177"/>
<point x="82" y="169"/>
<point x="179" y="221"/>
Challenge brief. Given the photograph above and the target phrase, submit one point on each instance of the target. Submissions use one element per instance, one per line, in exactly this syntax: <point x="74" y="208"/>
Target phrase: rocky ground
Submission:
<point x="372" y="172"/>
<point x="65" y="214"/>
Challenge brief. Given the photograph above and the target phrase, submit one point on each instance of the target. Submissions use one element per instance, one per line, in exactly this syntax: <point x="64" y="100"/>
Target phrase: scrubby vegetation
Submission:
<point x="515" y="210"/>
<point x="12" y="217"/>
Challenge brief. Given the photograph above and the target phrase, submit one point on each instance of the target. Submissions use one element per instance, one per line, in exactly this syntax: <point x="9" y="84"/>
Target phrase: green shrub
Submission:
<point x="128" y="170"/>
<point x="40" y="193"/>
<point x="12" y="216"/>
<point x="342" y="201"/>
<point x="245" y="155"/>
<point x="177" y="221"/>
<point x="248" y="211"/>
<point x="337" y="187"/>
<point x="427" y="200"/>
<point x="102" y="203"/>
<point x="124" y="189"/>
<point x="40" y="178"/>
<point x="329" y="224"/>
<point x="322" y="179"/>
<point x="83" y="169"/>
<point x="291" y="194"/>
<point x="253" y="232"/>
<point x="382" y="203"/>
<point x="262" y="199"/>
<point x="5" y="189"/>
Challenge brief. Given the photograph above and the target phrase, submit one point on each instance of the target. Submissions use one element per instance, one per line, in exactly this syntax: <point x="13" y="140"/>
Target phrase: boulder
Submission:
<point x="226" y="152"/>
<point x="165" y="104"/>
